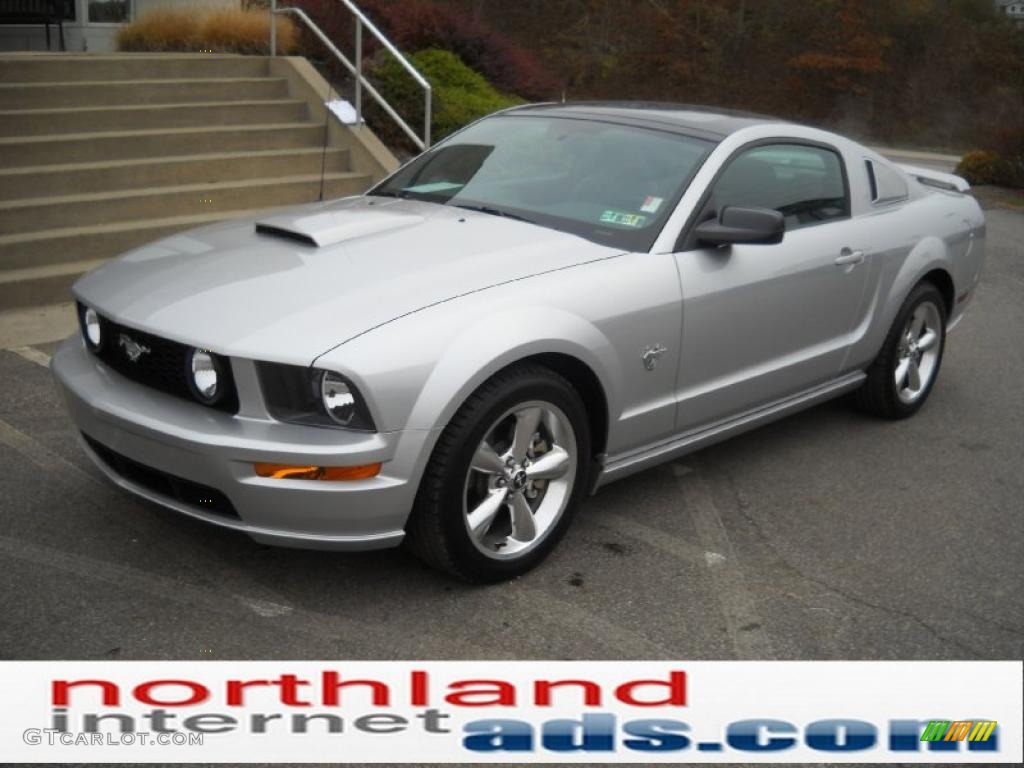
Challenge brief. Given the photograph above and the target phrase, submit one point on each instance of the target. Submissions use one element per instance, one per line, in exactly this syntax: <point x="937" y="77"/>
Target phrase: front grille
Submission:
<point x="162" y="364"/>
<point x="185" y="491"/>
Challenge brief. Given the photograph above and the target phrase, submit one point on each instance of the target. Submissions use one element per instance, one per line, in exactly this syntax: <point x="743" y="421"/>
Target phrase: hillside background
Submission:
<point x="929" y="72"/>
<point x="942" y="74"/>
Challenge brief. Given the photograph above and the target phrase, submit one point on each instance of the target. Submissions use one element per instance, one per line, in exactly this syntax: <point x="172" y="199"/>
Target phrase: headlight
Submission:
<point x="339" y="399"/>
<point x="92" y="327"/>
<point x="205" y="376"/>
<point x="300" y="395"/>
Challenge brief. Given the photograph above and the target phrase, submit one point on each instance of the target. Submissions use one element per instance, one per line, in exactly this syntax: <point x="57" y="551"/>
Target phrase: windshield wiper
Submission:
<point x="494" y="212"/>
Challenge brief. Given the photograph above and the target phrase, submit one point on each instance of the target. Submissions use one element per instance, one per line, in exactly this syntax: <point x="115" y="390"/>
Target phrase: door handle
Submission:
<point x="848" y="258"/>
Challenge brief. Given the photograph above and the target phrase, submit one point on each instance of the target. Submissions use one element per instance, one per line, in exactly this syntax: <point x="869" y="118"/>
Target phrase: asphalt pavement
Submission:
<point x="829" y="535"/>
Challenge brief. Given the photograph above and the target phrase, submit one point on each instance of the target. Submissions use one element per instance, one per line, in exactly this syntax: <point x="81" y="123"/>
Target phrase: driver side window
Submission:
<point x="806" y="184"/>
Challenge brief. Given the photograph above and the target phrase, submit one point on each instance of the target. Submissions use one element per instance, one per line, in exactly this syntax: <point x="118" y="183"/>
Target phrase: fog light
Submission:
<point x="291" y="472"/>
<point x="205" y="376"/>
<point x="91" y="328"/>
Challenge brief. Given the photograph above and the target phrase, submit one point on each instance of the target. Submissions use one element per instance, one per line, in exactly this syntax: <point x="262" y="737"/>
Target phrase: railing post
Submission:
<point x="356" y="69"/>
<point x="273" y="27"/>
<point x="359" y="72"/>
<point x="427" y="108"/>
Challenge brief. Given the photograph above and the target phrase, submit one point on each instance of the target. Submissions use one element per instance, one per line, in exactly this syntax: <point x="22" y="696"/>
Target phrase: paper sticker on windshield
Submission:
<point x="652" y="204"/>
<point x="623" y="219"/>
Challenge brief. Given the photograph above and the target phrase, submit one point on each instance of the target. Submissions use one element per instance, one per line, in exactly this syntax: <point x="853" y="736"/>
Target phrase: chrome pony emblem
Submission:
<point x="132" y="348"/>
<point x="651" y="355"/>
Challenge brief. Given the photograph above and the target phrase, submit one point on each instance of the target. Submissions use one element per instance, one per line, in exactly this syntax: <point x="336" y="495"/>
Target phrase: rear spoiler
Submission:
<point x="938" y="179"/>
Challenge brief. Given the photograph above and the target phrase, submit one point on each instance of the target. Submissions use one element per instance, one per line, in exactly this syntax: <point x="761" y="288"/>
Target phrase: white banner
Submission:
<point x="526" y="711"/>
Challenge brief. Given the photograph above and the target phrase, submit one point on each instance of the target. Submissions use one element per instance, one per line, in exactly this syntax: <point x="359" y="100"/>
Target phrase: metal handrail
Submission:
<point x="356" y="70"/>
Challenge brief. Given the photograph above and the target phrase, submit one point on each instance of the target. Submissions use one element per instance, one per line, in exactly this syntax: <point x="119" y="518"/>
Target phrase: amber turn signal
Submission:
<point x="289" y="472"/>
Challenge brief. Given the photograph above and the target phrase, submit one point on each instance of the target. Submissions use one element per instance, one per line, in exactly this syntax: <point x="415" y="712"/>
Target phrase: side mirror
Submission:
<point x="736" y="225"/>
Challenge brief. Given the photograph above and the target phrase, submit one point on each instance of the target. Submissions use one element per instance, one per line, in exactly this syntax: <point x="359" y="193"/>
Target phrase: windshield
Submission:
<point x="613" y="184"/>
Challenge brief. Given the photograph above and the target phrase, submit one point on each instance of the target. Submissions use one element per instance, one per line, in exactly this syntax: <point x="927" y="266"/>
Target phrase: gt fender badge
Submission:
<point x="132" y="348"/>
<point x="651" y="355"/>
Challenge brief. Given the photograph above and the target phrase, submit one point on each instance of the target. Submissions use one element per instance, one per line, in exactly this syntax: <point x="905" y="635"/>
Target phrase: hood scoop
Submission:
<point x="332" y="227"/>
<point x="285" y="233"/>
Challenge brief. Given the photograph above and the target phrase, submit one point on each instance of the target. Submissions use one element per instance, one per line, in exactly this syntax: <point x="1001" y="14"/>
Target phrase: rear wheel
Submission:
<point x="903" y="374"/>
<point x="505" y="477"/>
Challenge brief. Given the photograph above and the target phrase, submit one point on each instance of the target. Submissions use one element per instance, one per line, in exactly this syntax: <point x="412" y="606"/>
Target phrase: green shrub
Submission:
<point x="460" y="94"/>
<point x="419" y="25"/>
<point x="979" y="167"/>
<point x="986" y="167"/>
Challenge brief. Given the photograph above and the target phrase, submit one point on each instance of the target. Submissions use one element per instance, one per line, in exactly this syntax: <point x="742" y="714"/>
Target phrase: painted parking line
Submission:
<point x="663" y="541"/>
<point x="44" y="458"/>
<point x="548" y="609"/>
<point x="237" y="597"/>
<point x="33" y="355"/>
<point x="37" y="325"/>
<point x="75" y="478"/>
<point x="743" y="622"/>
<point x="360" y="635"/>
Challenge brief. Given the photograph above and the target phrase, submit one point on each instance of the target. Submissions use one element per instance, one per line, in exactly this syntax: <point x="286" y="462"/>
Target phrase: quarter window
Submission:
<point x="805" y="184"/>
<point x="887" y="186"/>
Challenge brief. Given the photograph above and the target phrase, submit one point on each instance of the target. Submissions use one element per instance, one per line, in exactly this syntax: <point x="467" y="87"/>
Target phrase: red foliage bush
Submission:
<point x="415" y="25"/>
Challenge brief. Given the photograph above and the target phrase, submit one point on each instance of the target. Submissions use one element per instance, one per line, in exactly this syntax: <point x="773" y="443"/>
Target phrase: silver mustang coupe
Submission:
<point x="554" y="298"/>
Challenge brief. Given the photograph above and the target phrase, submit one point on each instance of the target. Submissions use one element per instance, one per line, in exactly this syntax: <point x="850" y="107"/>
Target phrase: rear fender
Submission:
<point x="930" y="254"/>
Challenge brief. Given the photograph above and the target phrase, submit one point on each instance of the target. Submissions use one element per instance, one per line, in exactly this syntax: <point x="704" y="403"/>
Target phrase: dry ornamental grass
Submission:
<point x="215" y="31"/>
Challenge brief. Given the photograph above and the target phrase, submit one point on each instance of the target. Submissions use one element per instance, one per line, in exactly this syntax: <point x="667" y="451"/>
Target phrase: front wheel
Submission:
<point x="505" y="477"/>
<point x="903" y="374"/>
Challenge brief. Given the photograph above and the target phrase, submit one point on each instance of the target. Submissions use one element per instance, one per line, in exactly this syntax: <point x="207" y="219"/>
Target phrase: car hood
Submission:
<point x="291" y="285"/>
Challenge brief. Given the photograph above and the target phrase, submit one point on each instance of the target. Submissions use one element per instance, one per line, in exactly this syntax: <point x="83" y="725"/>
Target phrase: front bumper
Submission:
<point x="181" y="439"/>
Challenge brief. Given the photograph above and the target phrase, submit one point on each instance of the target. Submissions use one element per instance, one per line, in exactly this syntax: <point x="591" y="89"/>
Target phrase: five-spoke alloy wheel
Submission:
<point x="505" y="477"/>
<point x="918" y="357"/>
<point x="903" y="374"/>
<point x="520" y="479"/>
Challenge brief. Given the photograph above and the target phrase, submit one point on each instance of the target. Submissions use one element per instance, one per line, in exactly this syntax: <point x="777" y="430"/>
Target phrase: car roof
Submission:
<point x="703" y="122"/>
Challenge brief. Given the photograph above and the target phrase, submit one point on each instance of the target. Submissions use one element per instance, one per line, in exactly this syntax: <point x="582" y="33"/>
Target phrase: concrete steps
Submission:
<point x="119" y="67"/>
<point x="120" y="145"/>
<point x="102" y="154"/>
<point x="52" y="246"/>
<point x="63" y="120"/>
<point x="106" y="176"/>
<point x="41" y="213"/>
<point x="41" y="285"/>
<point x="103" y="93"/>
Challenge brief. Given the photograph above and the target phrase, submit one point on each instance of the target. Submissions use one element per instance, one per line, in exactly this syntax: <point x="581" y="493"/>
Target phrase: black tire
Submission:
<point x="879" y="395"/>
<point x="437" y="532"/>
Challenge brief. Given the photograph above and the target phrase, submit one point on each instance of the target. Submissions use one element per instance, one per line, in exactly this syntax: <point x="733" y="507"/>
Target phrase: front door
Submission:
<point x="762" y="322"/>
